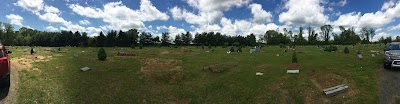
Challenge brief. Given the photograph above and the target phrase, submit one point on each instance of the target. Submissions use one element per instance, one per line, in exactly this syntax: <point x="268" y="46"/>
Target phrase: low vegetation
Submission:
<point x="168" y="75"/>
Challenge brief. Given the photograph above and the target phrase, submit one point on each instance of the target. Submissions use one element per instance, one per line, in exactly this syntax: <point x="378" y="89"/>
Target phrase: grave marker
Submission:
<point x="84" y="69"/>
<point x="336" y="90"/>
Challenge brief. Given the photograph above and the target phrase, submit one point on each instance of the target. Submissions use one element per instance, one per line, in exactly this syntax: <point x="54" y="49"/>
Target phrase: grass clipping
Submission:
<point x="161" y="70"/>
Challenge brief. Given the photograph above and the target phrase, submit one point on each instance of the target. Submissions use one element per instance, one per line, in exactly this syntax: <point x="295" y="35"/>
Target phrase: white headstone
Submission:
<point x="277" y="54"/>
<point x="360" y="56"/>
<point x="259" y="73"/>
<point x="84" y="69"/>
<point x="373" y="55"/>
<point x="293" y="71"/>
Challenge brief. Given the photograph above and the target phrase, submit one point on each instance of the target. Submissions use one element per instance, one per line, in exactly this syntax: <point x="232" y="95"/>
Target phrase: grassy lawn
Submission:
<point x="121" y="80"/>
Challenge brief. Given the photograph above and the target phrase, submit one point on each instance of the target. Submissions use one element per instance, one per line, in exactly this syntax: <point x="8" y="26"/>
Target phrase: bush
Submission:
<point x="294" y="58"/>
<point x="226" y="44"/>
<point x="32" y="51"/>
<point x="232" y="49"/>
<point x="140" y="46"/>
<point x="239" y="49"/>
<point x="209" y="46"/>
<point x="102" y="55"/>
<point x="133" y="46"/>
<point x="330" y="48"/>
<point x="346" y="50"/>
<point x="281" y="45"/>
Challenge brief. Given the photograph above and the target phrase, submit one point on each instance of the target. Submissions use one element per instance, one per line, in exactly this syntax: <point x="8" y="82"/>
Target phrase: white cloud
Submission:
<point x="31" y="5"/>
<point x="349" y="19"/>
<point x="379" y="35"/>
<point x="308" y="12"/>
<point x="120" y="17"/>
<point x="84" y="22"/>
<point x="259" y="15"/>
<point x="15" y="19"/>
<point x="52" y="18"/>
<point x="393" y="28"/>
<point x="92" y="31"/>
<point x="216" y="5"/>
<point x="51" y="9"/>
<point x="86" y="11"/>
<point x="173" y="31"/>
<point x="389" y="12"/>
<point x="51" y="28"/>
<point x="388" y="5"/>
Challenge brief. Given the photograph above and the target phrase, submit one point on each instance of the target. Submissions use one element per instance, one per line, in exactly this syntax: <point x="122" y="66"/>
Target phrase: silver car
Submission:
<point x="392" y="55"/>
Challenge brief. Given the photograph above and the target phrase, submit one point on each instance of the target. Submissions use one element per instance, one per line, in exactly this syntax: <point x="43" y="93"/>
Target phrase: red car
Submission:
<point x="4" y="66"/>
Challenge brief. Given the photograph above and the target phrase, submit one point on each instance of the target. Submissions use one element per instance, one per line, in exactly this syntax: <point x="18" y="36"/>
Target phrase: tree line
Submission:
<point x="30" y="37"/>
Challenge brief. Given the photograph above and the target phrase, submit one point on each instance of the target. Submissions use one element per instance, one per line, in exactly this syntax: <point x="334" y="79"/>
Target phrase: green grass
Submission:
<point x="118" y="80"/>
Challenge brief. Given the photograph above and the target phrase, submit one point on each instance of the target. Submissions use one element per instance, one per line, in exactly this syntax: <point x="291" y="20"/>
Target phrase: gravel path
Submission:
<point x="389" y="86"/>
<point x="8" y="95"/>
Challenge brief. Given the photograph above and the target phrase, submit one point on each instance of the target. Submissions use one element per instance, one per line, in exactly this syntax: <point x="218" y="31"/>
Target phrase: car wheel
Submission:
<point x="387" y="66"/>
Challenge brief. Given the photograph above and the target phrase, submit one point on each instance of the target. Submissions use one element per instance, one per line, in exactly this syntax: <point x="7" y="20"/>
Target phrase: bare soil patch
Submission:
<point x="327" y="80"/>
<point x="220" y="68"/>
<point x="161" y="70"/>
<point x="262" y="68"/>
<point x="292" y="66"/>
<point x="152" y="64"/>
<point x="26" y="60"/>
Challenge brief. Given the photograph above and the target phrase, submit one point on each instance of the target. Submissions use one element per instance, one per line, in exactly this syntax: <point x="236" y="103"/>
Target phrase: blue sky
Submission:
<point x="230" y="17"/>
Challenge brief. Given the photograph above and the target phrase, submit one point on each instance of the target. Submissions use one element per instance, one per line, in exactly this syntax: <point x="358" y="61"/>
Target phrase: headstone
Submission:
<point x="360" y="57"/>
<point x="285" y="50"/>
<point x="255" y="50"/>
<point x="75" y="55"/>
<point x="84" y="69"/>
<point x="259" y="73"/>
<point x="228" y="52"/>
<point x="293" y="71"/>
<point x="336" y="90"/>
<point x="277" y="54"/>
<point x="372" y="55"/>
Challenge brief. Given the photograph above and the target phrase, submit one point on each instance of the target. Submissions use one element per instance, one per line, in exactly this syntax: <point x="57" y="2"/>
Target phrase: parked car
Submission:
<point x="392" y="55"/>
<point x="4" y="66"/>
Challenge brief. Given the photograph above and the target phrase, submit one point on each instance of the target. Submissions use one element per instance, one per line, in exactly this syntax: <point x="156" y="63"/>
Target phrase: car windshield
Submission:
<point x="394" y="47"/>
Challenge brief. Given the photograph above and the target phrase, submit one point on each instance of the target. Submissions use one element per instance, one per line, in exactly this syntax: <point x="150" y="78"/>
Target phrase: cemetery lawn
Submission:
<point x="122" y="80"/>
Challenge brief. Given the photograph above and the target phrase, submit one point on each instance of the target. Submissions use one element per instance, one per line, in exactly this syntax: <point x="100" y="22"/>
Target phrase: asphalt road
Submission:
<point x="389" y="81"/>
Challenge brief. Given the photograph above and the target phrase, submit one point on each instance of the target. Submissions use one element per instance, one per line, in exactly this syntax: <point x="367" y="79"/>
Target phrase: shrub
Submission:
<point x="225" y="45"/>
<point x="330" y="48"/>
<point x="346" y="50"/>
<point x="102" y="55"/>
<point x="294" y="58"/>
<point x="140" y="46"/>
<point x="133" y="46"/>
<point x="281" y="45"/>
<point x="209" y="46"/>
<point x="32" y="51"/>
<point x="239" y="49"/>
<point x="232" y="49"/>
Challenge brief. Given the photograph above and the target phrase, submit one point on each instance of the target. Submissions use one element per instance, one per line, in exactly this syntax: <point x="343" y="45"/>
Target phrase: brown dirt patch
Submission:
<point x="219" y="68"/>
<point x="327" y="80"/>
<point x="164" y="52"/>
<point x="26" y="61"/>
<point x="152" y="64"/>
<point x="262" y="68"/>
<point x="180" y="101"/>
<point x="293" y="66"/>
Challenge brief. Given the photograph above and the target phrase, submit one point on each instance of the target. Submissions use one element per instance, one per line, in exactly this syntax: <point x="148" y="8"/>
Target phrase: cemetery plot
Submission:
<point x="220" y="68"/>
<point x="152" y="64"/>
<point x="161" y="70"/>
